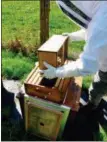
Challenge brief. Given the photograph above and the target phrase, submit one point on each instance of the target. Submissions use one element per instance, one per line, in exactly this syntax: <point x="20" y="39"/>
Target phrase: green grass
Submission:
<point x="102" y="134"/>
<point x="15" y="66"/>
<point x="20" y="19"/>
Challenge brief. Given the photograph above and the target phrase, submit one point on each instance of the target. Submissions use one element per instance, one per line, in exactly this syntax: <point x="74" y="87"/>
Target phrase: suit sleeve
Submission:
<point x="94" y="56"/>
<point x="95" y="50"/>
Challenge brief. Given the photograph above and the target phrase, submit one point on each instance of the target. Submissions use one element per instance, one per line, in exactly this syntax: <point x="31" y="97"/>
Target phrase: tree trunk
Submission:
<point x="44" y="20"/>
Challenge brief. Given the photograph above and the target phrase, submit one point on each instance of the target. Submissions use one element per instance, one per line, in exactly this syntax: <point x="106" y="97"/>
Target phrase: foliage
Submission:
<point x="16" y="66"/>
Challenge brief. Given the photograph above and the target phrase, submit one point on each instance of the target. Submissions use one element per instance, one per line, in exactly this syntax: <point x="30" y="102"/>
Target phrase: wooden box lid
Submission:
<point x="49" y="47"/>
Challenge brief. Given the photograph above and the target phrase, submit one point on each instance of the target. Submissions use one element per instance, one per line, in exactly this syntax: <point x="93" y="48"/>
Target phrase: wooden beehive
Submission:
<point x="53" y="90"/>
<point x="45" y="119"/>
<point x="54" y="51"/>
<point x="72" y="98"/>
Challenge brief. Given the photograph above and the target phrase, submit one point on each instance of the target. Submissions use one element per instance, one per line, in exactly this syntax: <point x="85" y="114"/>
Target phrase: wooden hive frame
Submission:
<point x="52" y="90"/>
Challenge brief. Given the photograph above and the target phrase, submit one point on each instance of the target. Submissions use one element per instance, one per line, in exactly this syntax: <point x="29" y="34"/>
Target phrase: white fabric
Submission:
<point x="67" y="70"/>
<point x="95" y="50"/>
<point x="72" y="12"/>
<point x="94" y="56"/>
<point x="88" y="7"/>
<point x="50" y="72"/>
<point x="76" y="36"/>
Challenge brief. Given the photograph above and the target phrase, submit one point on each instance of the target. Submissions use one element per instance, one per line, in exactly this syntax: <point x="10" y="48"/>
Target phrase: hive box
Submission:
<point x="53" y="90"/>
<point x="45" y="119"/>
<point x="54" y="51"/>
<point x="64" y="91"/>
<point x="72" y="98"/>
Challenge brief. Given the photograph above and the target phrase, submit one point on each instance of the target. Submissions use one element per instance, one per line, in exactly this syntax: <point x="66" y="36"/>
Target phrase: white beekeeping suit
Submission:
<point x="92" y="17"/>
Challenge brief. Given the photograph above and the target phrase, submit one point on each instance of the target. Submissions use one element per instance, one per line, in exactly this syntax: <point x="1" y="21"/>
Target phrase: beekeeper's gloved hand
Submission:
<point x="76" y="36"/>
<point x="50" y="72"/>
<point x="68" y="70"/>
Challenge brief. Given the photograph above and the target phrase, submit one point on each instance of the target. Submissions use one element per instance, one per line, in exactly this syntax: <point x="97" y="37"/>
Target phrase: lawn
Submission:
<point x="20" y="21"/>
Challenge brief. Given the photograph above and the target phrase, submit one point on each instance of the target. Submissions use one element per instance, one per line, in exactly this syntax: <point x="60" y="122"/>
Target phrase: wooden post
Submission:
<point x="44" y="20"/>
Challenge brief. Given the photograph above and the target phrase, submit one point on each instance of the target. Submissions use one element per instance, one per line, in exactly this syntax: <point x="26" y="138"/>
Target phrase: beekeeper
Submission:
<point x="91" y="16"/>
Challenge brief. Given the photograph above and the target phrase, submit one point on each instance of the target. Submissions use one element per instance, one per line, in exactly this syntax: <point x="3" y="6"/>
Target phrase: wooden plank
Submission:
<point x="44" y="121"/>
<point x="32" y="72"/>
<point x="61" y="84"/>
<point x="65" y="84"/>
<point x="66" y="49"/>
<point x="64" y="87"/>
<point x="53" y="44"/>
<point x="63" y="57"/>
<point x="73" y="95"/>
<point x="33" y="76"/>
<point x="54" y="106"/>
<point x="51" y="94"/>
<point x="57" y="82"/>
<point x="39" y="80"/>
<point x="35" y="79"/>
<point x="49" y="57"/>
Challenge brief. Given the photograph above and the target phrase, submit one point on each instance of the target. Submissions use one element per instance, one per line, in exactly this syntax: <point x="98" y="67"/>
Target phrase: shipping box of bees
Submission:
<point x="54" y="51"/>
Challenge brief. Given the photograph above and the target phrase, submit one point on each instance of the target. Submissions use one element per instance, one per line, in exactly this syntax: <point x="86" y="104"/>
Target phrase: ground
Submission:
<point x="80" y="129"/>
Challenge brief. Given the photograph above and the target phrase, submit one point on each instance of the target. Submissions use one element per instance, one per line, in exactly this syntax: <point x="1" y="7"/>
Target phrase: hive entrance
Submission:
<point x="48" y="82"/>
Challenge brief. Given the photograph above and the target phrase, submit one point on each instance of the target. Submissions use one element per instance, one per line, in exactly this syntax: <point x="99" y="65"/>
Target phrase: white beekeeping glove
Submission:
<point x="50" y="72"/>
<point x="76" y="36"/>
<point x="68" y="70"/>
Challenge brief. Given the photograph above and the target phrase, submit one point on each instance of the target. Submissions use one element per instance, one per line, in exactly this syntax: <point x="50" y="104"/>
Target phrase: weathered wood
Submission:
<point x="49" y="57"/>
<point x="44" y="118"/>
<point x="57" y="82"/>
<point x="61" y="84"/>
<point x="66" y="49"/>
<point x="74" y="93"/>
<point x="44" y="20"/>
<point x="33" y="76"/>
<point x="43" y="92"/>
<point x="47" y="124"/>
<point x="55" y="93"/>
<point x="29" y="77"/>
<point x="39" y="79"/>
<point x="36" y="77"/>
<point x="65" y="84"/>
